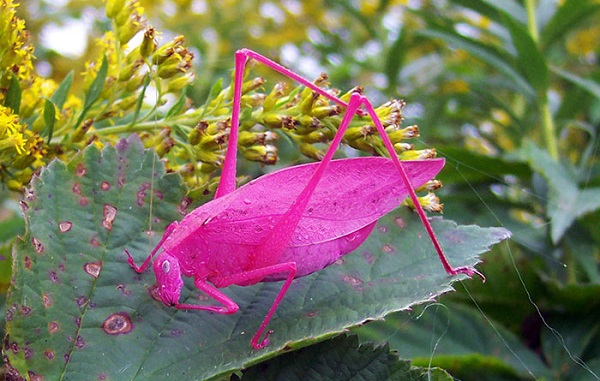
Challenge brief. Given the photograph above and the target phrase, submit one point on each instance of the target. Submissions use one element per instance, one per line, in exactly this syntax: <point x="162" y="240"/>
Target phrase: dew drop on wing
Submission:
<point x="352" y="236"/>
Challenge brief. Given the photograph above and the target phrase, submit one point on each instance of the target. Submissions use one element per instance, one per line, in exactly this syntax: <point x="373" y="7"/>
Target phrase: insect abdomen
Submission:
<point x="314" y="257"/>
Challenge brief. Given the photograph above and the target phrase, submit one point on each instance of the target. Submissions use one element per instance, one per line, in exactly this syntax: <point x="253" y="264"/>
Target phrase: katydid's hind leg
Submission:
<point x="148" y="260"/>
<point x="413" y="196"/>
<point x="352" y="107"/>
<point x="256" y="275"/>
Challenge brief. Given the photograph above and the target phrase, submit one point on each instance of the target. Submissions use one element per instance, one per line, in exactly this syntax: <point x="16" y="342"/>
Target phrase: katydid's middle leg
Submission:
<point x="257" y="275"/>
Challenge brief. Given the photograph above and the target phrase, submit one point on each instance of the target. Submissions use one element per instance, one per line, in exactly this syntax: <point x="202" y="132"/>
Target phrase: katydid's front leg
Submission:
<point x="169" y="283"/>
<point x="146" y="263"/>
<point x="228" y="306"/>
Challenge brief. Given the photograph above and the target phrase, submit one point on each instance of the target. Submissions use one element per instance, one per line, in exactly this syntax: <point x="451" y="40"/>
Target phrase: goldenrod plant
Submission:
<point x="140" y="87"/>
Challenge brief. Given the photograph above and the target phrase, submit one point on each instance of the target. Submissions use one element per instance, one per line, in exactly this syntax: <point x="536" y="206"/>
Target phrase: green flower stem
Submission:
<point x="548" y="127"/>
<point x="143" y="126"/>
<point x="531" y="21"/>
<point x="549" y="130"/>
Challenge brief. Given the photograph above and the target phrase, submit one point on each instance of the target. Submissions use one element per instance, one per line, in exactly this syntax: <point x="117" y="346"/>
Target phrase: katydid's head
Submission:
<point x="168" y="278"/>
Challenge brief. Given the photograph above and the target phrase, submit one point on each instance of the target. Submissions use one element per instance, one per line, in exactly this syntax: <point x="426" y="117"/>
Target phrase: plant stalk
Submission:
<point x="548" y="128"/>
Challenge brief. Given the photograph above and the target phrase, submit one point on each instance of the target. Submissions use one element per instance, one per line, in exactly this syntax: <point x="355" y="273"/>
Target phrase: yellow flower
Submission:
<point x="584" y="41"/>
<point x="15" y="51"/>
<point x="430" y="202"/>
<point x="17" y="142"/>
<point x="455" y="86"/>
<point x="10" y="131"/>
<point x="32" y="95"/>
<point x="368" y="7"/>
<point x="107" y="47"/>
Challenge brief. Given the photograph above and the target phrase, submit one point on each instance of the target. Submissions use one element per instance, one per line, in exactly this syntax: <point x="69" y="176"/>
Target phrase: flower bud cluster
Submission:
<point x="168" y="66"/>
<point x="430" y="202"/>
<point x="190" y="140"/>
<point x="307" y="118"/>
<point x="128" y="18"/>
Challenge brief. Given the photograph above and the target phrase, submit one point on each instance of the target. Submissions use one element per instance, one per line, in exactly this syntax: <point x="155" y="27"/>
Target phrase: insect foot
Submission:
<point x="468" y="271"/>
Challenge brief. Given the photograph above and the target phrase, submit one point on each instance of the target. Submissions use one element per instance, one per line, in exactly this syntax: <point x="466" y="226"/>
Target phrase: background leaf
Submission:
<point x="341" y="358"/>
<point x="459" y="339"/>
<point x="567" y="201"/>
<point x="582" y="337"/>
<point x="71" y="279"/>
<point x="13" y="95"/>
<point x="589" y="85"/>
<point x="489" y="54"/>
<point x="60" y="95"/>
<point x="570" y="15"/>
<point x="49" y="118"/>
<point x="95" y="89"/>
<point x="510" y="8"/>
<point x="529" y="59"/>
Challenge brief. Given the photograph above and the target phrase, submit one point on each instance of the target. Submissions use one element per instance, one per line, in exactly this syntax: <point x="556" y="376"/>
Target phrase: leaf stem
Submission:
<point x="549" y="130"/>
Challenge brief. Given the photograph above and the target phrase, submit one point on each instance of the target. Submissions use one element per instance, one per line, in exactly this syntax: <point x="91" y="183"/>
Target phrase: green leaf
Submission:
<point x="566" y="201"/>
<point x="11" y="221"/>
<point x="510" y="8"/>
<point x="49" y="118"/>
<point x="13" y="95"/>
<point x="530" y="60"/>
<point x="459" y="339"/>
<point x="140" y="100"/>
<point x="580" y="246"/>
<point x="581" y="335"/>
<point x="489" y="54"/>
<point x="95" y="89"/>
<point x="71" y="233"/>
<point x="572" y="14"/>
<point x="394" y="59"/>
<point x="5" y="269"/>
<point x="464" y="165"/>
<point x="215" y="90"/>
<point x="60" y="95"/>
<point x="589" y="85"/>
<point x="342" y="358"/>
<point x="177" y="106"/>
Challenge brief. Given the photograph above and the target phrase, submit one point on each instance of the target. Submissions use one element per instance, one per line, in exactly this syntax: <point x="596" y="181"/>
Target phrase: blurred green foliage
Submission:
<point x="507" y="90"/>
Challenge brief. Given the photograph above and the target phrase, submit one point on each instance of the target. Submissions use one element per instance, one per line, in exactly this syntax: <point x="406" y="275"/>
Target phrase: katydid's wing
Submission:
<point x="351" y="194"/>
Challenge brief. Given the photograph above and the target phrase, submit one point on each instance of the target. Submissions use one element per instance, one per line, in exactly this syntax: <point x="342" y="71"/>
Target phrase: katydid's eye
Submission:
<point x="166" y="267"/>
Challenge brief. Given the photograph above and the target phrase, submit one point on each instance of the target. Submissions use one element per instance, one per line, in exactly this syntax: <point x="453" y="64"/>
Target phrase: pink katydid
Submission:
<point x="289" y="223"/>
